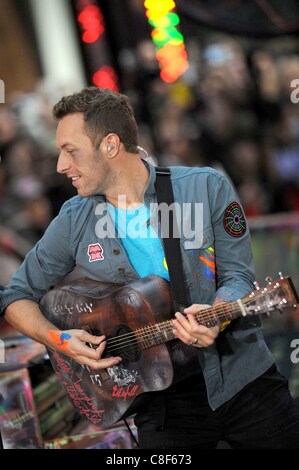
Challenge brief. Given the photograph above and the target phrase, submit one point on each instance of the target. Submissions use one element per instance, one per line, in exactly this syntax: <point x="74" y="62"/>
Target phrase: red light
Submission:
<point x="92" y="23"/>
<point x="91" y="36"/>
<point x="106" y="77"/>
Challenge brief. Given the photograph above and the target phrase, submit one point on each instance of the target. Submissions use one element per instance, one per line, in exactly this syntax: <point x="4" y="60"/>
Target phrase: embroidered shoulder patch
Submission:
<point x="234" y="221"/>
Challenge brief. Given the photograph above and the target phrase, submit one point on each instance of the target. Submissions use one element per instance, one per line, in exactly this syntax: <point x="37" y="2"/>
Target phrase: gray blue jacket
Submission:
<point x="218" y="265"/>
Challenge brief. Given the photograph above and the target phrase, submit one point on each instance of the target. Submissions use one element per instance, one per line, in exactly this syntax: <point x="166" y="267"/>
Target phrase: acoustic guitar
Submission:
<point x="136" y="319"/>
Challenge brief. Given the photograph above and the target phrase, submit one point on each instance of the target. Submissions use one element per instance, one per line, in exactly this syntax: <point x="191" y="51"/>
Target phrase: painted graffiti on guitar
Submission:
<point x="137" y="322"/>
<point x="122" y="376"/>
<point x="121" y="392"/>
<point x="124" y="380"/>
<point x="72" y="383"/>
<point x="69" y="309"/>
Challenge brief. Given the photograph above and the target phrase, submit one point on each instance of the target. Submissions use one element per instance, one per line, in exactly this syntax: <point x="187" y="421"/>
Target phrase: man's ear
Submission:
<point x="112" y="145"/>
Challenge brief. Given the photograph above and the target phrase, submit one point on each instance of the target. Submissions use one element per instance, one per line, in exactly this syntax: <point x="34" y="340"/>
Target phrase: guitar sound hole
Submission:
<point x="125" y="344"/>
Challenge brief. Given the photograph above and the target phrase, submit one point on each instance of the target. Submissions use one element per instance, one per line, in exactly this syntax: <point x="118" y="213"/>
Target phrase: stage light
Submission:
<point x="105" y="77"/>
<point x="94" y="36"/>
<point x="170" y="47"/>
<point x="92" y="23"/>
<point x="158" y="9"/>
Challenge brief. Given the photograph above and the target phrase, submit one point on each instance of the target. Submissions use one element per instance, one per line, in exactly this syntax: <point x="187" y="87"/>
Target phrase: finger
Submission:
<point x="100" y="349"/>
<point x="100" y="364"/>
<point x="181" y="333"/>
<point x="187" y="326"/>
<point x="201" y="330"/>
<point x="86" y="349"/>
<point x="195" y="308"/>
<point x="182" y="320"/>
<point x="96" y="353"/>
<point x="110" y="361"/>
<point x="215" y="330"/>
<point x="211" y="332"/>
<point x="192" y="321"/>
<point x="88" y="338"/>
<point x="191" y="324"/>
<point x="198" y="331"/>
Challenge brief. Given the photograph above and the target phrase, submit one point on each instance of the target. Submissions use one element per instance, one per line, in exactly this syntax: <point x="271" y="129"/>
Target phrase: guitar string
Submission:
<point x="141" y="339"/>
<point x="152" y="331"/>
<point x="138" y="337"/>
<point x="204" y="315"/>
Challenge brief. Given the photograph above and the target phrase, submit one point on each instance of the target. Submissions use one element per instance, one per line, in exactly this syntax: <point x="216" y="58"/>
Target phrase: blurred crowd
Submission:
<point x="231" y="110"/>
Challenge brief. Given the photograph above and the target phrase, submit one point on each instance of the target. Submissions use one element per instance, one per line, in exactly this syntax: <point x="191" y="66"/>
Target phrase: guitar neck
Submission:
<point x="277" y="295"/>
<point x="163" y="332"/>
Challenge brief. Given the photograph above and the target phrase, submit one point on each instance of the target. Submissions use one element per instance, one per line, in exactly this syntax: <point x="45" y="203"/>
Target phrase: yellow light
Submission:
<point x="163" y="6"/>
<point x="170" y="48"/>
<point x="160" y="37"/>
<point x="160" y="22"/>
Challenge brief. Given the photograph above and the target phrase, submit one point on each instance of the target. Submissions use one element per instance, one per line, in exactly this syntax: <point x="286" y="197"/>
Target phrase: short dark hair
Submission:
<point x="104" y="111"/>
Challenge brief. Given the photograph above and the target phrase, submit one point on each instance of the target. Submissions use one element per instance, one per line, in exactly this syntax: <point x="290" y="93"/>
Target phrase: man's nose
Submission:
<point x="64" y="163"/>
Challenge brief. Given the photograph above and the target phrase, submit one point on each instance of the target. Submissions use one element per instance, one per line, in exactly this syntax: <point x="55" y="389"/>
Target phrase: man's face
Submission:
<point x="87" y="167"/>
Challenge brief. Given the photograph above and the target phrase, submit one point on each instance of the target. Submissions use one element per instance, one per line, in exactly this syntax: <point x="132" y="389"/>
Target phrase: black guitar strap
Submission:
<point x="171" y="243"/>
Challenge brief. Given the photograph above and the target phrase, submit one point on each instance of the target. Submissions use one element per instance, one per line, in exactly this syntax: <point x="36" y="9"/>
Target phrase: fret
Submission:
<point x="144" y="339"/>
<point x="151" y="335"/>
<point x="219" y="313"/>
<point x="156" y="334"/>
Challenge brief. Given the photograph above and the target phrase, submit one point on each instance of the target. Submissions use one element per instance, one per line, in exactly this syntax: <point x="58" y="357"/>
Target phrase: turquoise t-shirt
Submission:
<point x="140" y="241"/>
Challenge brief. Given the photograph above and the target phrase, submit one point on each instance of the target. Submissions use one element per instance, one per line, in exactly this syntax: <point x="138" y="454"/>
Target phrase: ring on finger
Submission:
<point x="195" y="341"/>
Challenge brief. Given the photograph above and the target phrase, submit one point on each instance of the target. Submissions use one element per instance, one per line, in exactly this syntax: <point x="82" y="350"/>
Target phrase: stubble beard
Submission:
<point x="107" y="179"/>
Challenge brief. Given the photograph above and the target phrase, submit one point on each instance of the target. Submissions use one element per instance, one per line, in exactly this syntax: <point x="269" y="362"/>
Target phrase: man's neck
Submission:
<point x="131" y="184"/>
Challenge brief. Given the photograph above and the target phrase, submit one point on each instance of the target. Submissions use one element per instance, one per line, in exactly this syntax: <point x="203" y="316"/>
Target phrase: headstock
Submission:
<point x="275" y="295"/>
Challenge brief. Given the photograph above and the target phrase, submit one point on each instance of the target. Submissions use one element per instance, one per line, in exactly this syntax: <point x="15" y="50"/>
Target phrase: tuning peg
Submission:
<point x="280" y="275"/>
<point x="269" y="279"/>
<point x="256" y="285"/>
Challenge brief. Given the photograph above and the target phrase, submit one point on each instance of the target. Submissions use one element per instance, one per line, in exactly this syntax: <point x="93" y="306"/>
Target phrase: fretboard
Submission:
<point x="162" y="332"/>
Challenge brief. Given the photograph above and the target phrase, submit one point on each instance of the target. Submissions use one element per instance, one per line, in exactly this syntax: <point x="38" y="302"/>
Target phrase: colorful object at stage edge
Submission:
<point x="170" y="47"/>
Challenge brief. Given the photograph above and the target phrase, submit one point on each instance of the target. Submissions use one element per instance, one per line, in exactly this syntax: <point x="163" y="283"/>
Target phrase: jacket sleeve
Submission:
<point x="233" y="253"/>
<point x="47" y="263"/>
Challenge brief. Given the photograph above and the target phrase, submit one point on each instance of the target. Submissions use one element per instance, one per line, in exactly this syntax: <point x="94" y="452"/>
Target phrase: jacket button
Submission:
<point x="120" y="270"/>
<point x="116" y="251"/>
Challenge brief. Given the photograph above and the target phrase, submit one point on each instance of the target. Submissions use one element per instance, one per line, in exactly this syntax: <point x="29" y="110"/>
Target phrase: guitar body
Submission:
<point x="119" y="312"/>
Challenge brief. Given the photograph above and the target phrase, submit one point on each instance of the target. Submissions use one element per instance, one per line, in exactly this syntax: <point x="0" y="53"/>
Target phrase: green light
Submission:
<point x="170" y="20"/>
<point x="173" y="19"/>
<point x="175" y="34"/>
